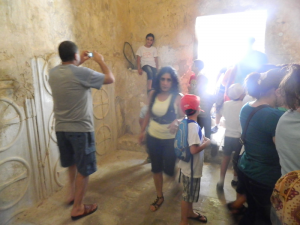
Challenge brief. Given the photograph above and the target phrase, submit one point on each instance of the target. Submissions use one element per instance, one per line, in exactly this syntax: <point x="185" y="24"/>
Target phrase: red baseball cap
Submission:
<point x="190" y="102"/>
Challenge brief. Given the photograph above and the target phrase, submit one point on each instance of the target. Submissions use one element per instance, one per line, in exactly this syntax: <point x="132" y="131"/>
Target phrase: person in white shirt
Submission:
<point x="287" y="135"/>
<point x="147" y="60"/>
<point x="190" y="104"/>
<point x="287" y="139"/>
<point x="231" y="112"/>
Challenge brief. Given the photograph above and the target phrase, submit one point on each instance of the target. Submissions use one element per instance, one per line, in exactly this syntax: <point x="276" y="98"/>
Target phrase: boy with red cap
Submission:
<point x="190" y="104"/>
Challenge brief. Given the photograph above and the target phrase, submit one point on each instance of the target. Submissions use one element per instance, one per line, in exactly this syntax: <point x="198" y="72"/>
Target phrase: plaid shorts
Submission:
<point x="186" y="194"/>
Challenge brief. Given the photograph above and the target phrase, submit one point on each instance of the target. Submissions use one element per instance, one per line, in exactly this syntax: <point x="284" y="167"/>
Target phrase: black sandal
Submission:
<point x="156" y="206"/>
<point x="198" y="218"/>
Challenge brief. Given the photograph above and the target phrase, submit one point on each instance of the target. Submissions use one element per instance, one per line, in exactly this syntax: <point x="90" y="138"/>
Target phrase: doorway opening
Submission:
<point x="223" y="40"/>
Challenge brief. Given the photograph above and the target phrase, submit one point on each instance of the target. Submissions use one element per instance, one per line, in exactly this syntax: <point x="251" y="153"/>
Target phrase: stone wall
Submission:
<point x="28" y="29"/>
<point x="33" y="29"/>
<point x="30" y="34"/>
<point x="173" y="23"/>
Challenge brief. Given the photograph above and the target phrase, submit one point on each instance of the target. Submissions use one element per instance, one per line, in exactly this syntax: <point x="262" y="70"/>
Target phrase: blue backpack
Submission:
<point x="182" y="148"/>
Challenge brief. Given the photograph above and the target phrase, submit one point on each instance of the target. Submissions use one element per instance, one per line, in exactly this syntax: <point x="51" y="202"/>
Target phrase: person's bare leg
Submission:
<point x="240" y="200"/>
<point x="185" y="212"/>
<point x="149" y="84"/>
<point x="224" y="166"/>
<point x="72" y="170"/>
<point x="80" y="189"/>
<point x="158" y="182"/>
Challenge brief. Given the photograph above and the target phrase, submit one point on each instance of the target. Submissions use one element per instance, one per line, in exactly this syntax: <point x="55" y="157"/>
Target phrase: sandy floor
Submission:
<point x="124" y="189"/>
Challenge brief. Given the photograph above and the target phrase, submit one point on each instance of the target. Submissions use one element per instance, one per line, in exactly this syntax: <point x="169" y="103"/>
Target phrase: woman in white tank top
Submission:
<point x="163" y="112"/>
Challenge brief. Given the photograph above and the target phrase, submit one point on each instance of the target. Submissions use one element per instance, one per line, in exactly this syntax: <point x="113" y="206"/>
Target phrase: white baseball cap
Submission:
<point x="235" y="91"/>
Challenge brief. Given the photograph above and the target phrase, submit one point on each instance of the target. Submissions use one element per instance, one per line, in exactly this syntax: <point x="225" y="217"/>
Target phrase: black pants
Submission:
<point x="258" y="199"/>
<point x="162" y="155"/>
<point x="205" y="122"/>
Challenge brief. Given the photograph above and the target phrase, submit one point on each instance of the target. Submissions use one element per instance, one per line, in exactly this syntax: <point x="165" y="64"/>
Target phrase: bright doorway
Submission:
<point x="223" y="39"/>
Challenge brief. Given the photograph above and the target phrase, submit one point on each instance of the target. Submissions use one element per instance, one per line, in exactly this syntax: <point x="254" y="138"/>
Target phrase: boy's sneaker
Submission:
<point x="234" y="183"/>
<point x="214" y="129"/>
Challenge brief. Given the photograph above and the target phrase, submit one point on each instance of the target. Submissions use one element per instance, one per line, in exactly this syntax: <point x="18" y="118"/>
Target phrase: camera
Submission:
<point x="90" y="54"/>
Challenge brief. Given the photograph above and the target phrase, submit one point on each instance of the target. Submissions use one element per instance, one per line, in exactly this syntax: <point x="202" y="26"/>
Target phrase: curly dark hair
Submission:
<point x="175" y="81"/>
<point x="290" y="87"/>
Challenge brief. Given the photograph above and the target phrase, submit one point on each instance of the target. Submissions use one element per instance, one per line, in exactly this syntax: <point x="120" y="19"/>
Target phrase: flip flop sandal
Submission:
<point x="198" y="218"/>
<point x="88" y="209"/>
<point x="155" y="203"/>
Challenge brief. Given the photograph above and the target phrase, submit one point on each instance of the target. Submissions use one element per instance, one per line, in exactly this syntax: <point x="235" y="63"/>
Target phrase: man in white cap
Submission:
<point x="231" y="112"/>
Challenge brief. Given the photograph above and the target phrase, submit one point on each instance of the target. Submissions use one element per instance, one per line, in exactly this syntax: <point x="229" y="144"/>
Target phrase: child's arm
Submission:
<point x="194" y="149"/>
<point x="138" y="61"/>
<point x="156" y="62"/>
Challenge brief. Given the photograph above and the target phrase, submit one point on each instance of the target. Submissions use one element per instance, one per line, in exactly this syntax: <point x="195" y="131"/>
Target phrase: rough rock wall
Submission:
<point x="100" y="26"/>
<point x="173" y="22"/>
<point x="29" y="28"/>
<point x="33" y="29"/>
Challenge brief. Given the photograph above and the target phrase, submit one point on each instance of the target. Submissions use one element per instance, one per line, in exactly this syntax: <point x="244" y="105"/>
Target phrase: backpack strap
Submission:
<point x="192" y="173"/>
<point x="243" y="137"/>
<point x="179" y="176"/>
<point x="192" y="158"/>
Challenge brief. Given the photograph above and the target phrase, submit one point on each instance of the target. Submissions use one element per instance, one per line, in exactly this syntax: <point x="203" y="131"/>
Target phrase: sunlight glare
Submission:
<point x="223" y="39"/>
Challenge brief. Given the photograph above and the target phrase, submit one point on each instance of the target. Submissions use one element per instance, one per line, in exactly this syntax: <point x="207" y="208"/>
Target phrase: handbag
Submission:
<point x="286" y="198"/>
